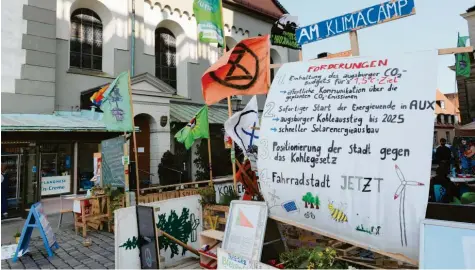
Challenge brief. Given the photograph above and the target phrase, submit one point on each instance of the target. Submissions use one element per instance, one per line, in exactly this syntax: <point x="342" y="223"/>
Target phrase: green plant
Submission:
<point x="324" y="258"/>
<point x="208" y="195"/>
<point x="295" y="259"/>
<point x="17" y="234"/>
<point x="228" y="196"/>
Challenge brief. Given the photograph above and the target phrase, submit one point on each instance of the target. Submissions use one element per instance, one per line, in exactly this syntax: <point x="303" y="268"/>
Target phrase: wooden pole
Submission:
<point x="230" y="111"/>
<point x="137" y="179"/>
<point x="355" y="47"/>
<point x="191" y="249"/>
<point x="126" y="171"/>
<point x="233" y="153"/>
<point x="209" y="157"/>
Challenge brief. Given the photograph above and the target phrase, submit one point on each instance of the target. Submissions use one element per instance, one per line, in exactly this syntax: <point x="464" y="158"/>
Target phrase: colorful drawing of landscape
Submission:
<point x="243" y="221"/>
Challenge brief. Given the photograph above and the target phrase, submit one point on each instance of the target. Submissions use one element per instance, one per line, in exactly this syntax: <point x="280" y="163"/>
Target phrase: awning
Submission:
<point x="182" y="112"/>
<point x="59" y="121"/>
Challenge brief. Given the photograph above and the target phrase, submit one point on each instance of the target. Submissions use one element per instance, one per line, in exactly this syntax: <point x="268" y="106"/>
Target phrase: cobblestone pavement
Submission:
<point x="71" y="253"/>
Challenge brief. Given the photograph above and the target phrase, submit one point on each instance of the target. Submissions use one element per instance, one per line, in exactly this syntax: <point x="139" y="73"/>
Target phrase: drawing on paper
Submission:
<point x="336" y="213"/>
<point x="116" y="97"/>
<point x="401" y="193"/>
<point x="243" y="221"/>
<point x="179" y="227"/>
<point x="273" y="199"/>
<point x="290" y="207"/>
<point x="309" y="199"/>
<point x="373" y="231"/>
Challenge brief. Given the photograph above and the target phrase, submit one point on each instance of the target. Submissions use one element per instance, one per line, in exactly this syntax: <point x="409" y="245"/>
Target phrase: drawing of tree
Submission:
<point x="133" y="243"/>
<point x="178" y="227"/>
<point x="308" y="199"/>
<point x="316" y="200"/>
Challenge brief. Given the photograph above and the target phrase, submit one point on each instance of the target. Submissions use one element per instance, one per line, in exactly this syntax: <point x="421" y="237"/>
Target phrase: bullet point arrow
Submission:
<point x="275" y="119"/>
<point x="274" y="129"/>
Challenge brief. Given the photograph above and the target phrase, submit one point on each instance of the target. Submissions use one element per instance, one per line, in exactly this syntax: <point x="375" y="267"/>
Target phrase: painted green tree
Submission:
<point x="133" y="243"/>
<point x="178" y="227"/>
<point x="316" y="200"/>
<point x="308" y="199"/>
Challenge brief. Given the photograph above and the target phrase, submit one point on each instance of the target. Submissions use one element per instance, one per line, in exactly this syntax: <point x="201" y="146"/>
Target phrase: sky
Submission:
<point x="434" y="26"/>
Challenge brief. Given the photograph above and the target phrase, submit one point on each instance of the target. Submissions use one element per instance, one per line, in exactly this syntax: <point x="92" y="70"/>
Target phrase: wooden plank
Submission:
<point x="456" y="50"/>
<point x="440" y="52"/>
<point x="218" y="235"/>
<point x="355" y="47"/>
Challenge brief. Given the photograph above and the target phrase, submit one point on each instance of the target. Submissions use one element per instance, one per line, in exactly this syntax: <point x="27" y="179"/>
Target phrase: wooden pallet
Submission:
<point x="215" y="217"/>
<point x="165" y="195"/>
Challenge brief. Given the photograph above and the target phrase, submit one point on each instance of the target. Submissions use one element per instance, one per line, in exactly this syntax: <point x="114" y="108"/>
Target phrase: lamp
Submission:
<point x="163" y="120"/>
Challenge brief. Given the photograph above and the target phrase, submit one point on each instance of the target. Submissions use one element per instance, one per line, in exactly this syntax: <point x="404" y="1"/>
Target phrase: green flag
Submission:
<point x="116" y="105"/>
<point x="197" y="128"/>
<point x="462" y="60"/>
<point x="209" y="17"/>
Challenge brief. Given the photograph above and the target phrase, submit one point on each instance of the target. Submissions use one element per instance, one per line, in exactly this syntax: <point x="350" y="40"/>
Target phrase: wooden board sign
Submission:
<point x="374" y="15"/>
<point x="346" y="148"/>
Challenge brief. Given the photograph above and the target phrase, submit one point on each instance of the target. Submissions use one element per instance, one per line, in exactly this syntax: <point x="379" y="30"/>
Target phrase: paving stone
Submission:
<point x="81" y="266"/>
<point x="30" y="266"/>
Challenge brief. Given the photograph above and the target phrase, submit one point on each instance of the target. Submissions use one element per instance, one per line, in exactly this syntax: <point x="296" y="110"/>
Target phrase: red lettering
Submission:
<point x="383" y="62"/>
<point x="311" y="68"/>
<point x="373" y="64"/>
<point x="332" y="66"/>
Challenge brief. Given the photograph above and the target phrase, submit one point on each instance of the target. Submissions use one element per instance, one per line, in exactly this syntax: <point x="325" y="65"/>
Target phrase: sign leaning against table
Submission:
<point x="347" y="153"/>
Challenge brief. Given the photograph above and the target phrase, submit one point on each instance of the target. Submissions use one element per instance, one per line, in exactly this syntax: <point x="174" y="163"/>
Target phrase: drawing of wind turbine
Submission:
<point x="273" y="198"/>
<point x="401" y="192"/>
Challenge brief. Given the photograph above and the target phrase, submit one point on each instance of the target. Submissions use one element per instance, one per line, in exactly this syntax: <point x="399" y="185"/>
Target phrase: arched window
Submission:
<point x="165" y="56"/>
<point x="86" y="40"/>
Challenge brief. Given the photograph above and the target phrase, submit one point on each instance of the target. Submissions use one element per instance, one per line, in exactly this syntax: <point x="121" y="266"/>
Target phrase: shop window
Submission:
<point x="165" y="56"/>
<point x="86" y="40"/>
<point x="56" y="160"/>
<point x="87" y="165"/>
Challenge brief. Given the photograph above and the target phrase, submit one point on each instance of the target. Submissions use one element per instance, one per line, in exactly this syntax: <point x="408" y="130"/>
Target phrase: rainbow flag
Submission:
<point x="98" y="97"/>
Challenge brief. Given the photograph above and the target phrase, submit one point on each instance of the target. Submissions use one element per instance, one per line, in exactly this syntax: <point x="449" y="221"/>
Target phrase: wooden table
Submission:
<point x="98" y="203"/>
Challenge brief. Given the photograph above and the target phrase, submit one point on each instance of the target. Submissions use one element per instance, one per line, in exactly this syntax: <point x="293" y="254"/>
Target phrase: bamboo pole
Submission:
<point x="137" y="179"/>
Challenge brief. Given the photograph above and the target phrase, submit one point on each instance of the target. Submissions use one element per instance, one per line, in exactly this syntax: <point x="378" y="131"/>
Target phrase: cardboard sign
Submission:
<point x="126" y="239"/>
<point x="36" y="219"/>
<point x="374" y="15"/>
<point x="227" y="260"/>
<point x="52" y="185"/>
<point x="245" y="229"/>
<point x="346" y="148"/>
<point x="111" y="162"/>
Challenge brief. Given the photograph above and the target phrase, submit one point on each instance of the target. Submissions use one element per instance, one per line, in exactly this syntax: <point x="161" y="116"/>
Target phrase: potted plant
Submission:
<point x="208" y="195"/>
<point x="17" y="236"/>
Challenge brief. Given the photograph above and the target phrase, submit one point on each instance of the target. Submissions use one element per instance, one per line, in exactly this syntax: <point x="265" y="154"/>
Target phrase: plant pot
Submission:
<point x="17" y="239"/>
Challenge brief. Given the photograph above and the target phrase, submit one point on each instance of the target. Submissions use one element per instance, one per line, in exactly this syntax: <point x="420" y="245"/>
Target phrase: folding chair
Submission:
<point x="64" y="211"/>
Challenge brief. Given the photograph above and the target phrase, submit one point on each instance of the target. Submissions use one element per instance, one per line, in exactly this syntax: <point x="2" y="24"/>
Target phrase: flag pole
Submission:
<point x="137" y="180"/>
<point x="230" y="111"/>
<point x="209" y="155"/>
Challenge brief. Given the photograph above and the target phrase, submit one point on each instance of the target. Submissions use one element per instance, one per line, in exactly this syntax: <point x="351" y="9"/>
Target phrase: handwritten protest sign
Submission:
<point x="112" y="167"/>
<point x="346" y="148"/>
